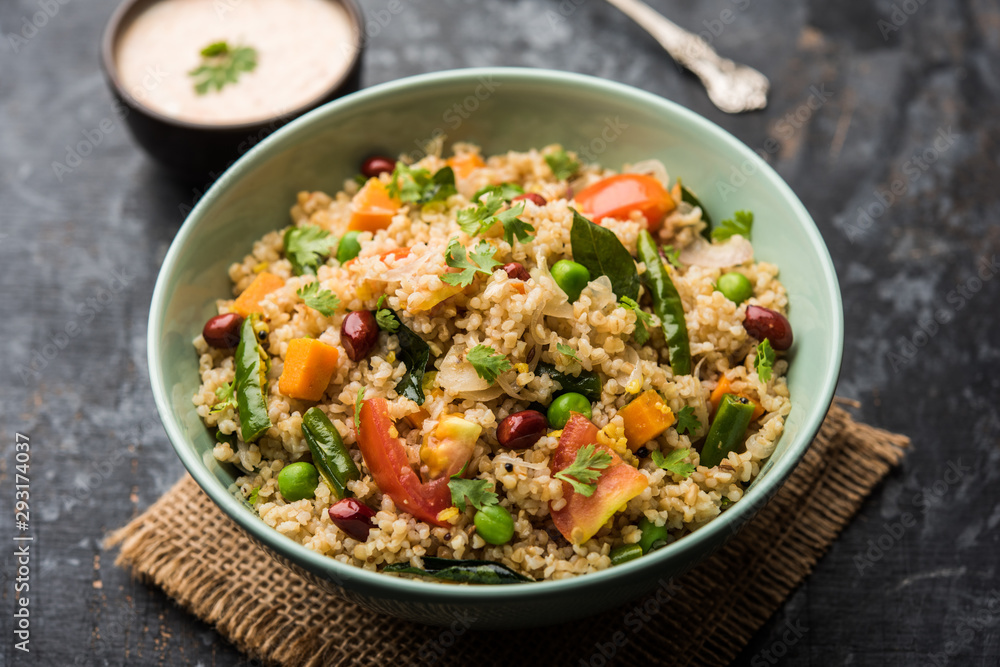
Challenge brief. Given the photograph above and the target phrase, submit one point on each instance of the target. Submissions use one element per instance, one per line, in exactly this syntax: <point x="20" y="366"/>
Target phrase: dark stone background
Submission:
<point x="99" y="455"/>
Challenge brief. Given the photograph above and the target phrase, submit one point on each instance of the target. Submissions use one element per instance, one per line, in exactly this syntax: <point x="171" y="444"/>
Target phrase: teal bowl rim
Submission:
<point x="368" y="582"/>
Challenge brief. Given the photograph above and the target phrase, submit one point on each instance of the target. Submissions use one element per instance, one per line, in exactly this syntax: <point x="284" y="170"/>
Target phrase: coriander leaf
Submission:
<point x="513" y="226"/>
<point x="227" y="397"/>
<point x="357" y="412"/>
<point x="416" y="185"/>
<point x="724" y="502"/>
<point x="476" y="490"/>
<point x="643" y="320"/>
<point x="567" y="350"/>
<point x="686" y="421"/>
<point x="252" y="499"/>
<point x="221" y="65"/>
<point x="441" y="187"/>
<point x="674" y="462"/>
<point x="403" y="183"/>
<point x="561" y="164"/>
<point x="600" y="251"/>
<point x="673" y="256"/>
<point x="507" y="190"/>
<point x="764" y="361"/>
<point x="324" y="301"/>
<point x="482" y="262"/>
<point x="741" y="224"/>
<point x="305" y="246"/>
<point x="487" y="362"/>
<point x="480" y="217"/>
<point x="585" y="470"/>
<point x="385" y="318"/>
<point x="483" y="215"/>
<point x="360" y="179"/>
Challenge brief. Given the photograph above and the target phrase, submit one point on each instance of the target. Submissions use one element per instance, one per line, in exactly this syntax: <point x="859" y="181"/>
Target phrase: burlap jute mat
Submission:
<point x="187" y="547"/>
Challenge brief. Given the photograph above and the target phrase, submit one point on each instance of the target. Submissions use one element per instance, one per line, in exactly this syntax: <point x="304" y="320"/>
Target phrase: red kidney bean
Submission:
<point x="223" y="331"/>
<point x="522" y="429"/>
<point x="534" y="197"/>
<point x="377" y="165"/>
<point x="358" y="334"/>
<point x="764" y="323"/>
<point x="353" y="517"/>
<point x="516" y="271"/>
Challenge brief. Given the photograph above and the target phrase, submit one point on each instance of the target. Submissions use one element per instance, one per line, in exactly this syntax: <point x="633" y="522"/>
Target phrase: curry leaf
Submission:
<point x="600" y="251"/>
<point x="690" y="198"/>
<point x="414" y="352"/>
<point x="464" y="571"/>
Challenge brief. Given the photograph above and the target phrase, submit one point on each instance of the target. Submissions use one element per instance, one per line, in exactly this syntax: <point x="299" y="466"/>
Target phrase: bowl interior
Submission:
<point x="500" y="109"/>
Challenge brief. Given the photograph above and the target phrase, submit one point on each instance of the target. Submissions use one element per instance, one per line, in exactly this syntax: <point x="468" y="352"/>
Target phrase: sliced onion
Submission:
<point x="562" y="311"/>
<point x="536" y="319"/>
<point x="503" y="458"/>
<point x="733" y="251"/>
<point x="654" y="168"/>
<point x="508" y="388"/>
<point x="602" y="295"/>
<point x="457" y="376"/>
<point x="535" y="358"/>
<point x="557" y="305"/>
<point x="633" y="358"/>
<point x="484" y="395"/>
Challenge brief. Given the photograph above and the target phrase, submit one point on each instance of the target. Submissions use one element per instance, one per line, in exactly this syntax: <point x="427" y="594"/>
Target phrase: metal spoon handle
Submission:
<point x="732" y="87"/>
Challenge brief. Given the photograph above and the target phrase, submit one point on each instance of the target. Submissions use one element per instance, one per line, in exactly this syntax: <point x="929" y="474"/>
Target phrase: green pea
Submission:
<point x="571" y="277"/>
<point x="735" y="286"/>
<point x="653" y="536"/>
<point x="349" y="247"/>
<point x="494" y="524"/>
<point x="561" y="407"/>
<point x="297" y="481"/>
<point x="623" y="553"/>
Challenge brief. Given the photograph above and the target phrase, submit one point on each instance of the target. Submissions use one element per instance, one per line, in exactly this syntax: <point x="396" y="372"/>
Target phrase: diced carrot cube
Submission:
<point x="249" y="300"/>
<point x="373" y="207"/>
<point x="645" y="418"/>
<point x="309" y="367"/>
<point x="726" y="387"/>
<point x="416" y="419"/>
<point x="466" y="163"/>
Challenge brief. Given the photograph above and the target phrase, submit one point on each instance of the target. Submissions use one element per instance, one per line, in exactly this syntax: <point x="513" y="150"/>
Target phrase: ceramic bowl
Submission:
<point x="197" y="153"/>
<point x="500" y="109"/>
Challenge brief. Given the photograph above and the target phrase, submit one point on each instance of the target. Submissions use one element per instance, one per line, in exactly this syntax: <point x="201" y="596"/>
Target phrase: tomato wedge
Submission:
<point x="386" y="459"/>
<point x="617" y="196"/>
<point x="583" y="516"/>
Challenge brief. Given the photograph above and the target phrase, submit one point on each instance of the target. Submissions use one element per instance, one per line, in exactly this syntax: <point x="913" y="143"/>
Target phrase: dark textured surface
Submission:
<point x="913" y="580"/>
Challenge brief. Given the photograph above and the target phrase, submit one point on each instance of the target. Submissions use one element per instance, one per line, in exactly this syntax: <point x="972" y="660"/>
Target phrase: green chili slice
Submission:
<point x="623" y="553"/>
<point x="728" y="427"/>
<point x="666" y="304"/>
<point x="250" y="384"/>
<point x="329" y="454"/>
<point x="653" y="536"/>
